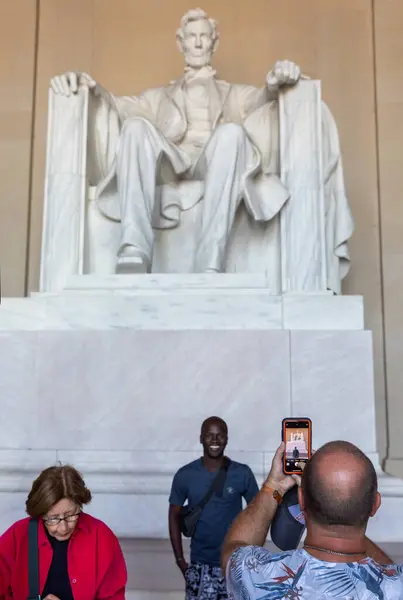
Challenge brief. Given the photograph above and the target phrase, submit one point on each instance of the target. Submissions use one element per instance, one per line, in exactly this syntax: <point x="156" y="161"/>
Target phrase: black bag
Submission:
<point x="288" y="523"/>
<point x="189" y="517"/>
<point x="33" y="561"/>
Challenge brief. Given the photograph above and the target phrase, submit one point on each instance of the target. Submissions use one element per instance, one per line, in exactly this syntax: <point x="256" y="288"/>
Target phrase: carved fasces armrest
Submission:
<point x="65" y="189"/>
<point x="303" y="244"/>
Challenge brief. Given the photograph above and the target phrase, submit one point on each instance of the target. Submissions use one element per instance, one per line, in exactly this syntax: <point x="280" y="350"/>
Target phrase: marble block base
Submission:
<point x="180" y="302"/>
<point x="125" y="406"/>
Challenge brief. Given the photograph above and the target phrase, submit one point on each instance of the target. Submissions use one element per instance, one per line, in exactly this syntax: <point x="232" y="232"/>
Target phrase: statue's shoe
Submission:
<point x="131" y="261"/>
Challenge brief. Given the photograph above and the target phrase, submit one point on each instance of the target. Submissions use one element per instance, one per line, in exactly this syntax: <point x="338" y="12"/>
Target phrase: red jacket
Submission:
<point x="96" y="566"/>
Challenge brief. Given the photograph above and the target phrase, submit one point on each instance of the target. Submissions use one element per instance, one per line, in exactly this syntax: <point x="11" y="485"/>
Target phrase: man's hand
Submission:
<point x="183" y="565"/>
<point x="69" y="83"/>
<point x="276" y="478"/>
<point x="284" y="72"/>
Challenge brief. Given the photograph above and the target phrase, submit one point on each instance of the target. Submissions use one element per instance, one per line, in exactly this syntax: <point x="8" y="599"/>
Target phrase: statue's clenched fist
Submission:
<point x="284" y="72"/>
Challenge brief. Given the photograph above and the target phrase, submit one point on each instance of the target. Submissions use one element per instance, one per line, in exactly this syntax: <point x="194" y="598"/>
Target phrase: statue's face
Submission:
<point x="197" y="44"/>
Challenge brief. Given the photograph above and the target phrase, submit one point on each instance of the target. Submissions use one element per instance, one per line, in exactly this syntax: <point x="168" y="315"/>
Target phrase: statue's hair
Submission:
<point x="197" y="14"/>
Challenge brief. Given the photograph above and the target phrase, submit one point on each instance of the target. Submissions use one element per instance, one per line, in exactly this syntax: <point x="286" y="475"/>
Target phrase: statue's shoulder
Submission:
<point x="241" y="87"/>
<point x="155" y="92"/>
<point x="223" y="84"/>
<point x="238" y="90"/>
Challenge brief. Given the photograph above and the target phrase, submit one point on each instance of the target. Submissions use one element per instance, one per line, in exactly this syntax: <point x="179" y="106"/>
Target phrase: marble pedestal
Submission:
<point x="116" y="375"/>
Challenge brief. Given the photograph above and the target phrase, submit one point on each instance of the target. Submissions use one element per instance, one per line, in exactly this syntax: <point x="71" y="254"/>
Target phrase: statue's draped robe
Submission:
<point x="263" y="193"/>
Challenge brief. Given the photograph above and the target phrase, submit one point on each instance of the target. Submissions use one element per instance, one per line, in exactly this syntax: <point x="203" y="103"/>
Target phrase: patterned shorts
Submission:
<point x="204" y="582"/>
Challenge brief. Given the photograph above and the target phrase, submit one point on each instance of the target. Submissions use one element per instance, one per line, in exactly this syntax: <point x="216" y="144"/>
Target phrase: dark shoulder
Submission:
<point x="240" y="468"/>
<point x="189" y="468"/>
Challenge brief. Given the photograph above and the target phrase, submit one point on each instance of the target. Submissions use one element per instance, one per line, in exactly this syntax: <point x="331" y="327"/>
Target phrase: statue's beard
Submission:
<point x="199" y="61"/>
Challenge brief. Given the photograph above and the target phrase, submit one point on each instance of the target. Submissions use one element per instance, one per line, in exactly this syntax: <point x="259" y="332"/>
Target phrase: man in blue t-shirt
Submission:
<point x="204" y="578"/>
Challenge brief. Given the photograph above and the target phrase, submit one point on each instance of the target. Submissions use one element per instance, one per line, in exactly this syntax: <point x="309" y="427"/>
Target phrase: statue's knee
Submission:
<point x="231" y="131"/>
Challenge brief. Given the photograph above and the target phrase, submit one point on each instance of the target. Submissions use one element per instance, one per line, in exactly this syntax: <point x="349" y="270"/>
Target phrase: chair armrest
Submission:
<point x="62" y="252"/>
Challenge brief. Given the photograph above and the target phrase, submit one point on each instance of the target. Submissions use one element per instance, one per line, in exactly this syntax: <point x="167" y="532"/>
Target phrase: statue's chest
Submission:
<point x="197" y="108"/>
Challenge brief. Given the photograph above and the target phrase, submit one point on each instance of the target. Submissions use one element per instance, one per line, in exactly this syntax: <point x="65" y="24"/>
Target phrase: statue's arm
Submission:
<point x="251" y="98"/>
<point x="129" y="107"/>
<point x="126" y="107"/>
<point x="282" y="74"/>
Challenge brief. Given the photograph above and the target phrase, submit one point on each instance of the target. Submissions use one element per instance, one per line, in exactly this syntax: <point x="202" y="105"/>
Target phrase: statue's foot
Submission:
<point x="131" y="261"/>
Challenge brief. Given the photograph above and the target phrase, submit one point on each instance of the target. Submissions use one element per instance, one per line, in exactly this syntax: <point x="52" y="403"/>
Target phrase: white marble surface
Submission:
<point x="171" y="281"/>
<point x="163" y="310"/>
<point x="332" y="383"/>
<point x="155" y="305"/>
<point x="149" y="375"/>
<point x="246" y="376"/>
<point x="322" y="312"/>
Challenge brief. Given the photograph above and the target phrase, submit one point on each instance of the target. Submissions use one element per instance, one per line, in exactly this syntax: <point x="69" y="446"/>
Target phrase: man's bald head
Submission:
<point x="339" y="486"/>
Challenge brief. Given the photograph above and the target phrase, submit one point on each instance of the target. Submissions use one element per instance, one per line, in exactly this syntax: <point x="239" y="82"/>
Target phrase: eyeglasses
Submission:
<point x="58" y="520"/>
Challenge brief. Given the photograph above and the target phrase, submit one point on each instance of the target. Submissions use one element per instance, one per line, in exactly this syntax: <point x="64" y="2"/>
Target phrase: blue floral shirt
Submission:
<point x="254" y="573"/>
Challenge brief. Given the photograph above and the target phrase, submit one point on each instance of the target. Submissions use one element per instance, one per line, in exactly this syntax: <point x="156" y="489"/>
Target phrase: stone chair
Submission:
<point x="79" y="240"/>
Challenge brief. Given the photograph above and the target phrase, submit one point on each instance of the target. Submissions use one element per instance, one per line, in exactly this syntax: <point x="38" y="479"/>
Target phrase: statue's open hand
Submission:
<point x="68" y="83"/>
<point x="284" y="72"/>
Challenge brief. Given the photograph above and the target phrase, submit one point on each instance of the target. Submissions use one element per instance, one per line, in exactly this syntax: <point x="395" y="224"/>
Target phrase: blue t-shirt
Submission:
<point x="254" y="573"/>
<point x="191" y="484"/>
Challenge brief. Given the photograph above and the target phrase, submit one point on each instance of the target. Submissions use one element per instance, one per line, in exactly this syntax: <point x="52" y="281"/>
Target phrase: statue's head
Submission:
<point x="197" y="38"/>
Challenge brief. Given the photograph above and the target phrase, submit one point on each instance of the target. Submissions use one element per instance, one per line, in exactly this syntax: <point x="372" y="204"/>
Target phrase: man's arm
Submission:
<point x="177" y="498"/>
<point x="374" y="552"/>
<point x="251" y="526"/>
<point x="175" y="536"/>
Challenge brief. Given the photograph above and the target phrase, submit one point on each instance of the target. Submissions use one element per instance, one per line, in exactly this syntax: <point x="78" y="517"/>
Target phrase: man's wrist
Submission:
<point x="275" y="485"/>
<point x="180" y="560"/>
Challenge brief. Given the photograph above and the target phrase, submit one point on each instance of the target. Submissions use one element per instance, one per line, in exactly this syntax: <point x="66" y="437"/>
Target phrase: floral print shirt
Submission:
<point x="254" y="573"/>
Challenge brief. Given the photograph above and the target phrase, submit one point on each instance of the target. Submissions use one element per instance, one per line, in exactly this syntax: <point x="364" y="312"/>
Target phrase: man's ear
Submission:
<point x="301" y="500"/>
<point x="376" y="505"/>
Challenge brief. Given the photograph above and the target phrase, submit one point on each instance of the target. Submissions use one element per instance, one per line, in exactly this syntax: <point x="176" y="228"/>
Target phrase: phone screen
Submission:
<point x="297" y="435"/>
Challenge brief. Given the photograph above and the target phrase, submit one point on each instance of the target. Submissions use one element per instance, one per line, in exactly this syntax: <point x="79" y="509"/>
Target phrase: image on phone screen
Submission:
<point x="297" y="444"/>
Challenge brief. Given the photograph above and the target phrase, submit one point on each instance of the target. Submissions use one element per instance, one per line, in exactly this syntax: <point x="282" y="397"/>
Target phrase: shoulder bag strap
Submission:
<point x="217" y="484"/>
<point x="33" y="560"/>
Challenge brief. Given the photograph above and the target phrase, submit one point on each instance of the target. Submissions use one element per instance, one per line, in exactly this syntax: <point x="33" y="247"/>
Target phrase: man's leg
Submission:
<point x="224" y="161"/>
<point x="137" y="161"/>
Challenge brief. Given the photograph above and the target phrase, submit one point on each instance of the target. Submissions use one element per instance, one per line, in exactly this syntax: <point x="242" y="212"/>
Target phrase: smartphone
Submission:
<point x="296" y="432"/>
